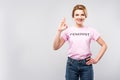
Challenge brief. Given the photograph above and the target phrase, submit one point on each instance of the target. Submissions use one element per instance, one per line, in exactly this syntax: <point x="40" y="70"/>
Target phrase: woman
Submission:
<point x="79" y="37"/>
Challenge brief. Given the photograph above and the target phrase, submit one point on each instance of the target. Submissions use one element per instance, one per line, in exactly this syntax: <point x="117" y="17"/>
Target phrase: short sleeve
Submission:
<point x="65" y="35"/>
<point x="95" y="35"/>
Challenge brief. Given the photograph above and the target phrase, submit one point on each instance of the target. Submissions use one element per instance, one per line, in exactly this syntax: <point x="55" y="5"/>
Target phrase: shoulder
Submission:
<point x="91" y="29"/>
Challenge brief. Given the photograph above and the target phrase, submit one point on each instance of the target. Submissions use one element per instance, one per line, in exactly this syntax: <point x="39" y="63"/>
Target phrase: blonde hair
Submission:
<point x="79" y="7"/>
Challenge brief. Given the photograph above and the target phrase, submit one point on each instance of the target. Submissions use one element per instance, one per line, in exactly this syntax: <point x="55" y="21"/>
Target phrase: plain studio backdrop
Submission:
<point x="28" y="28"/>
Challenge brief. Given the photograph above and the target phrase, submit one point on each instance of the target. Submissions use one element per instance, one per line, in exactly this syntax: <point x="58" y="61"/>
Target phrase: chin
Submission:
<point x="80" y="23"/>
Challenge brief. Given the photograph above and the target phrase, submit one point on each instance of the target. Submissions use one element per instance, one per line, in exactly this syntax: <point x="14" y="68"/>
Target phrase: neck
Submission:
<point x="79" y="25"/>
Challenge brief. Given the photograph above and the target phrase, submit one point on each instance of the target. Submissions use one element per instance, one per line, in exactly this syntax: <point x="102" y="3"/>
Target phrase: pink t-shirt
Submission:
<point x="79" y="40"/>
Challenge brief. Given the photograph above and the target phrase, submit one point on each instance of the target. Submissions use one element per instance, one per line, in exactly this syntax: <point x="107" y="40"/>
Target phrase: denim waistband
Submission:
<point x="69" y="58"/>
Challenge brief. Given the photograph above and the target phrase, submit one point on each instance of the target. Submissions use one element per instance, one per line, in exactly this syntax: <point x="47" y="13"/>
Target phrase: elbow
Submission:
<point x="105" y="46"/>
<point x="55" y="48"/>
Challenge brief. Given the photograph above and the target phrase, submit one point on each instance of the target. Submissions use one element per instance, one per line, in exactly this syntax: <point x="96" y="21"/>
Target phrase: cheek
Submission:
<point x="83" y="17"/>
<point x="75" y="17"/>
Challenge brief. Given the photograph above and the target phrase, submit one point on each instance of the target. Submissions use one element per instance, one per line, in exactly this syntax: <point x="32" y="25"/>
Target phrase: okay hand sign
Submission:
<point x="62" y="25"/>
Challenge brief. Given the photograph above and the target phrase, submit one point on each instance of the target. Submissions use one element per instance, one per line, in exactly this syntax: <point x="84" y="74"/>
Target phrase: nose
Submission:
<point x="80" y="17"/>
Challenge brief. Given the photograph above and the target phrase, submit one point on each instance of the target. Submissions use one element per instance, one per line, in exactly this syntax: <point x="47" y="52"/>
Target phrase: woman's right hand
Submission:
<point x="62" y="25"/>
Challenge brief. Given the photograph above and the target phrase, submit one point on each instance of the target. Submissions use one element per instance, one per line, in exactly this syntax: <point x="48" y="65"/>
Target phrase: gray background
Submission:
<point x="28" y="28"/>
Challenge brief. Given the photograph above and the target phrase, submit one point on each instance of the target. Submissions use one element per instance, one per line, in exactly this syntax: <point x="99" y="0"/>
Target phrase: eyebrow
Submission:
<point x="80" y="14"/>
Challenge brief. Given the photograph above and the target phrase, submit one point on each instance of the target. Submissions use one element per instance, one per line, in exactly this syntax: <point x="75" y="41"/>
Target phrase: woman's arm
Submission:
<point x="59" y="41"/>
<point x="103" y="45"/>
<point x="102" y="50"/>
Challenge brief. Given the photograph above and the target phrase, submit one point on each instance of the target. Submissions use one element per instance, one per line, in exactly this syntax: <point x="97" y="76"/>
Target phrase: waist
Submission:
<point x="77" y="56"/>
<point x="75" y="60"/>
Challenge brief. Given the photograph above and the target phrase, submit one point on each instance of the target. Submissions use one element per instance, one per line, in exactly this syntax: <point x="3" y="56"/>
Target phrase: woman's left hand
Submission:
<point x="91" y="61"/>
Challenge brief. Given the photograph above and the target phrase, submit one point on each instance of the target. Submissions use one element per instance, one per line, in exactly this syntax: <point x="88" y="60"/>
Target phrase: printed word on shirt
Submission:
<point x="79" y="34"/>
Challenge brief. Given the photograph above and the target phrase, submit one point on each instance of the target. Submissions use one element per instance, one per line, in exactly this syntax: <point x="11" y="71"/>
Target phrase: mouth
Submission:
<point x="80" y="20"/>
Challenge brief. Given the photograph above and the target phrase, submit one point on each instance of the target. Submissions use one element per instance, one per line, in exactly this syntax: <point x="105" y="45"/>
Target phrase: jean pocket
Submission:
<point x="69" y="62"/>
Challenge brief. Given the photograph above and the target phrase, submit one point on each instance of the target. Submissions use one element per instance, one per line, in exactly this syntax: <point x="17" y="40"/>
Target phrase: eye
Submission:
<point x="82" y="14"/>
<point x="76" y="14"/>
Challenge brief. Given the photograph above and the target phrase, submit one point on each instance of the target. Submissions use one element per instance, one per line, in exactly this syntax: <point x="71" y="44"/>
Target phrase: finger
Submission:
<point x="63" y="20"/>
<point x="88" y="59"/>
<point x="89" y="62"/>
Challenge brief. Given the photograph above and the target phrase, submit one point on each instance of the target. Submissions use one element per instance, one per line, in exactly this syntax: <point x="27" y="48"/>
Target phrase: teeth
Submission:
<point x="80" y="20"/>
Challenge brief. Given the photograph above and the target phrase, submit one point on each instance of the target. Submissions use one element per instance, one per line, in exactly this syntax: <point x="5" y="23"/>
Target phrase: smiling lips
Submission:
<point x="79" y="20"/>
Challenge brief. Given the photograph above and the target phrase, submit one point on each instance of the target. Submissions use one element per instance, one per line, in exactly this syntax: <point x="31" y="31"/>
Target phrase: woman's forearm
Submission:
<point x="57" y="40"/>
<point x="101" y="52"/>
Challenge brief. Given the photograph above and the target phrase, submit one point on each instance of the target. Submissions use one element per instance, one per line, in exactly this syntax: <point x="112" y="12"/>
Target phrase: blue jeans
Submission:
<point x="76" y="69"/>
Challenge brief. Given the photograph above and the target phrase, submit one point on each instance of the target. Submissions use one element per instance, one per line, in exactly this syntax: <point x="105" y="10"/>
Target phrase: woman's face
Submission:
<point x="79" y="17"/>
